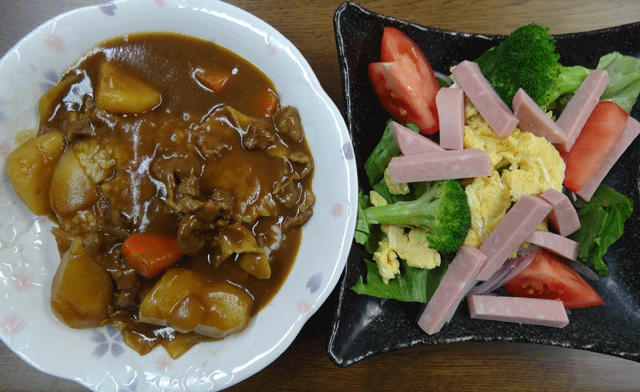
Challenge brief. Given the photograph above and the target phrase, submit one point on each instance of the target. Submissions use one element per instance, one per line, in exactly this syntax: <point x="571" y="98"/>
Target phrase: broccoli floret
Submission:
<point x="527" y="59"/>
<point x="442" y="211"/>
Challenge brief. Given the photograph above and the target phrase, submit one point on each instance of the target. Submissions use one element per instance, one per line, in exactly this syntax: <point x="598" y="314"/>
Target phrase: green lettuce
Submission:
<point x="386" y="149"/>
<point x="379" y="159"/>
<point x="601" y="224"/>
<point x="624" y="79"/>
<point x="366" y="234"/>
<point x="363" y="231"/>
<point x="414" y="285"/>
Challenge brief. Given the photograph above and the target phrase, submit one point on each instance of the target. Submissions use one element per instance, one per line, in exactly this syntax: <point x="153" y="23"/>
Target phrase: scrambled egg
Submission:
<point x="410" y="244"/>
<point x="488" y="199"/>
<point x="395" y="188"/>
<point x="522" y="163"/>
<point x="387" y="261"/>
<point x="376" y="199"/>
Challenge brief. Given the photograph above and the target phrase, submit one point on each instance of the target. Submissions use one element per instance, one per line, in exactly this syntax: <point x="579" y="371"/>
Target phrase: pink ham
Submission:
<point x="563" y="216"/>
<point x="534" y="311"/>
<point x="492" y="108"/>
<point x="520" y="221"/>
<point x="440" y="165"/>
<point x="555" y="243"/>
<point x="410" y="142"/>
<point x="534" y="120"/>
<point x="454" y="285"/>
<point x="580" y="106"/>
<point x="630" y="132"/>
<point x="450" y="105"/>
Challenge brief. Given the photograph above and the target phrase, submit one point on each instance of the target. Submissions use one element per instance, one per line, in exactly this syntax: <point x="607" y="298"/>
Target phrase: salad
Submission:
<point x="409" y="258"/>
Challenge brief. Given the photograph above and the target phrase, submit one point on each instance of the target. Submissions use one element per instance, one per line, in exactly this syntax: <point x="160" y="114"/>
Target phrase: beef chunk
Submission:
<point x="299" y="158"/>
<point x="80" y="128"/>
<point x="191" y="234"/>
<point x="303" y="214"/>
<point x="288" y="123"/>
<point x="259" y="134"/>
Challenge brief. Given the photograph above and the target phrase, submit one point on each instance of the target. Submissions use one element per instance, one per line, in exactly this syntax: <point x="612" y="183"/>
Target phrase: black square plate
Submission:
<point x="365" y="326"/>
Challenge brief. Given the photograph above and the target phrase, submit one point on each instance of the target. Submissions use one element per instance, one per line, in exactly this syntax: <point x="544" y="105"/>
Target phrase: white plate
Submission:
<point x="97" y="358"/>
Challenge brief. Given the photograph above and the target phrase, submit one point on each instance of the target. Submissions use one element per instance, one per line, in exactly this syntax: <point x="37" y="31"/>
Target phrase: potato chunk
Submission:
<point x="81" y="289"/>
<point x="120" y="92"/>
<point x="30" y="168"/>
<point x="252" y="258"/>
<point x="51" y="99"/>
<point x="255" y="263"/>
<point x="71" y="189"/>
<point x="187" y="302"/>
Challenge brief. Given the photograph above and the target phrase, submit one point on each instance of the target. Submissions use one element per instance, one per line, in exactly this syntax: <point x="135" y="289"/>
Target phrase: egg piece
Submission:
<point x="528" y="164"/>
<point x="376" y="199"/>
<point x="537" y="166"/>
<point x="522" y="164"/>
<point x="412" y="246"/>
<point x="387" y="261"/>
<point x="401" y="188"/>
<point x="488" y="199"/>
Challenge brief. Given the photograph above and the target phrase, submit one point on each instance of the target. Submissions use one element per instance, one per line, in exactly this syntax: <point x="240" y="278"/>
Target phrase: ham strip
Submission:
<point x="555" y="243"/>
<point x="520" y="221"/>
<point x="535" y="311"/>
<point x="580" y="106"/>
<point x="440" y="165"/>
<point x="485" y="98"/>
<point x="630" y="132"/>
<point x="410" y="142"/>
<point x="563" y="216"/>
<point x="450" y="105"/>
<point x="534" y="120"/>
<point x="454" y="285"/>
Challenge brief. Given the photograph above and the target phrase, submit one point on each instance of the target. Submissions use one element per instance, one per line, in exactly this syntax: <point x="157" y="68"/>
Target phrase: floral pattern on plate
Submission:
<point x="98" y="358"/>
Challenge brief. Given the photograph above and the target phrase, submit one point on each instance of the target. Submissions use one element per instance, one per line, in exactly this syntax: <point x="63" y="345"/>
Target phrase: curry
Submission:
<point x="179" y="185"/>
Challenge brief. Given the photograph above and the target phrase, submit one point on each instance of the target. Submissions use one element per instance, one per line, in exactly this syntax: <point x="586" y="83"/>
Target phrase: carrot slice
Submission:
<point x="213" y="79"/>
<point x="150" y="254"/>
<point x="267" y="102"/>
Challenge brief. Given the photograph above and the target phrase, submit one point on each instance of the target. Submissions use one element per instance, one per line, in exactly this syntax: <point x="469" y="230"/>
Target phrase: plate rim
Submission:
<point x="340" y="27"/>
<point x="333" y="273"/>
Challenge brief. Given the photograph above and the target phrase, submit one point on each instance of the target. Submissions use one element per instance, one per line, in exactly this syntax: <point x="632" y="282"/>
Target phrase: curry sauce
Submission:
<point x="168" y="135"/>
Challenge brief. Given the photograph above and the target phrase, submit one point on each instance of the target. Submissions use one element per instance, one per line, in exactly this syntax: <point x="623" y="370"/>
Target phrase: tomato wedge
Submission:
<point x="597" y="138"/>
<point x="405" y="82"/>
<point x="548" y="277"/>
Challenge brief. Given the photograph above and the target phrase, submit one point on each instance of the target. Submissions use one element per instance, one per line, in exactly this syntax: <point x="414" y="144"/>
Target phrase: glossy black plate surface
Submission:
<point x="365" y="326"/>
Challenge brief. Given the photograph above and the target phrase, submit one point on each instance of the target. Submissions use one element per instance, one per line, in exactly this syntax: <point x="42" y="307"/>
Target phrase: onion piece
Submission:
<point x="510" y="268"/>
<point x="582" y="269"/>
<point x="446" y="78"/>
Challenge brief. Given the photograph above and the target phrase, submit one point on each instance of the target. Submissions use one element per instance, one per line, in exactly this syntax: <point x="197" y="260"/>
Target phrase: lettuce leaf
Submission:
<point x="601" y="224"/>
<point x="366" y="234"/>
<point x="386" y="149"/>
<point x="363" y="231"/>
<point x="379" y="159"/>
<point x="624" y="79"/>
<point x="413" y="285"/>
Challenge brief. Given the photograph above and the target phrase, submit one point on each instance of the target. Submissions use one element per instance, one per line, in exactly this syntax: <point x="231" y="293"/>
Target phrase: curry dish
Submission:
<point x="179" y="185"/>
